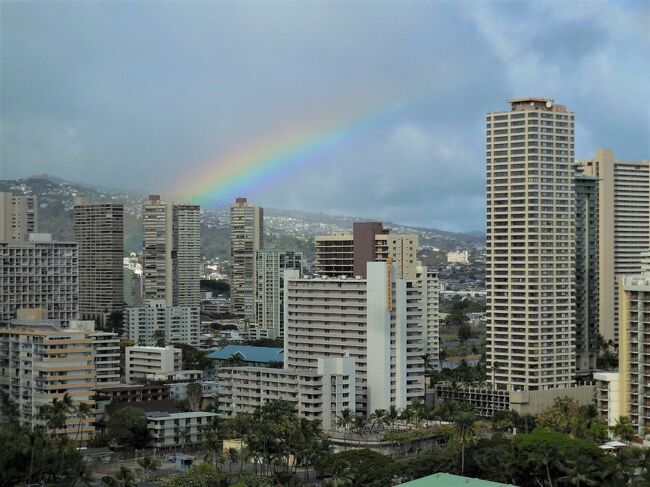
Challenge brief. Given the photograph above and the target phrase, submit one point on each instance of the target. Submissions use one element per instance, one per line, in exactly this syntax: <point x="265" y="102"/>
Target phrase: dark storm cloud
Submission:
<point x="135" y="94"/>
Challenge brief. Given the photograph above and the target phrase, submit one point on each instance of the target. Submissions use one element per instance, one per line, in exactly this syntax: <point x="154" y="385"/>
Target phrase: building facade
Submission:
<point x="587" y="317"/>
<point x="429" y="308"/>
<point x="376" y="321"/>
<point x="18" y="217"/>
<point x="99" y="233"/>
<point x="634" y="346"/>
<point x="623" y="227"/>
<point x="269" y="287"/>
<point x="318" y="394"/>
<point x="39" y="274"/>
<point x="530" y="250"/>
<point x="246" y="238"/>
<point x="169" y="430"/>
<point x="458" y="257"/>
<point x="155" y="323"/>
<point x="142" y="362"/>
<point x="345" y="254"/>
<point x="171" y="252"/>
<point x="40" y="362"/>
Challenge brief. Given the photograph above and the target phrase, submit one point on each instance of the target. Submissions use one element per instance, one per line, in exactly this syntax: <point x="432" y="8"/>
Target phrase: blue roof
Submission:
<point x="249" y="353"/>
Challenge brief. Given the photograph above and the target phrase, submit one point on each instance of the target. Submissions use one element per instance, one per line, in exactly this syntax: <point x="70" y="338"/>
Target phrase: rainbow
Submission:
<point x="264" y="162"/>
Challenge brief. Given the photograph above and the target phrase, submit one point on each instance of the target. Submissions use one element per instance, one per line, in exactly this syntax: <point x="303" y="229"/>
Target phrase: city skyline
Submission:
<point x="352" y="115"/>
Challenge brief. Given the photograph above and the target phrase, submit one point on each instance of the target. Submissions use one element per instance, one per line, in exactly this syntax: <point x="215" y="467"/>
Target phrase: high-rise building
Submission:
<point x="171" y="252"/>
<point x="345" y="254"/>
<point x="623" y="227"/>
<point x="189" y="255"/>
<point x="530" y="251"/>
<point x="106" y="352"/>
<point x="375" y="320"/>
<point x="99" y="233"/>
<point x="246" y="238"/>
<point x="634" y="346"/>
<point x="586" y="310"/>
<point x="39" y="362"/>
<point x="269" y="287"/>
<point x="154" y="322"/>
<point x="39" y="273"/>
<point x="429" y="307"/>
<point x="18" y="216"/>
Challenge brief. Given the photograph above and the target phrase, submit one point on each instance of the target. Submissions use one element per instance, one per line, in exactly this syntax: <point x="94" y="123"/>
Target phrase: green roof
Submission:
<point x="448" y="480"/>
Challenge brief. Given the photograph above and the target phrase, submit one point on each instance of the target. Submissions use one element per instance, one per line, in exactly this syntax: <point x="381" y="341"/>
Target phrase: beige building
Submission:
<point x="246" y="238"/>
<point x="320" y="393"/>
<point x="429" y="308"/>
<point x="346" y="254"/>
<point x="458" y="257"/>
<point x="18" y="216"/>
<point x="142" y="362"/>
<point x="40" y="362"/>
<point x="624" y="227"/>
<point x="634" y="346"/>
<point x="376" y="321"/>
<point x="39" y="274"/>
<point x="106" y="352"/>
<point x="530" y="246"/>
<point x="99" y="233"/>
<point x="171" y="252"/>
<point x="608" y="396"/>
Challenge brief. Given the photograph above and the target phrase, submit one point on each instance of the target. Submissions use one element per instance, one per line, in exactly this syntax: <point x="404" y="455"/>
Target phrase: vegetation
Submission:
<point x="217" y="287"/>
<point x="128" y="428"/>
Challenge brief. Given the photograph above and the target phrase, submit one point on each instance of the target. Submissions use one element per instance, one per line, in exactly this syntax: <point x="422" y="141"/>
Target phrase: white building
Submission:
<point x="608" y="396"/>
<point x="428" y="286"/>
<point x="40" y="274"/>
<point x="139" y="362"/>
<point x="106" y="352"/>
<point x="319" y="394"/>
<point x="154" y="322"/>
<point x="178" y="390"/>
<point x="458" y="257"/>
<point x="376" y="321"/>
<point x="177" y="429"/>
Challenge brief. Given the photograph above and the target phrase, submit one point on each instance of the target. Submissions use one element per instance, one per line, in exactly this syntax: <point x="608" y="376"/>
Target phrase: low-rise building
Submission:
<point x="155" y="322"/>
<point x="320" y="394"/>
<point x="458" y="257"/>
<point x="608" y="396"/>
<point x="141" y="362"/>
<point x="170" y="430"/>
<point x="247" y="355"/>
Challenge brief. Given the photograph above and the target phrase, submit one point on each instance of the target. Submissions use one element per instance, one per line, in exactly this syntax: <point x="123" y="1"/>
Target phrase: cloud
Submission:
<point x="138" y="94"/>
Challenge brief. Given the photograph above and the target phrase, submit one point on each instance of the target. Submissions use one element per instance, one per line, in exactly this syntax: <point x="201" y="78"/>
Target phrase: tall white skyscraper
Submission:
<point x="530" y="252"/>
<point x="171" y="252"/>
<point x="246" y="237"/>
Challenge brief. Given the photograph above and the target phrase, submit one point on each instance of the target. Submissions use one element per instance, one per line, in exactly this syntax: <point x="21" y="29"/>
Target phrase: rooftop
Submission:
<point x="449" y="480"/>
<point x="248" y="353"/>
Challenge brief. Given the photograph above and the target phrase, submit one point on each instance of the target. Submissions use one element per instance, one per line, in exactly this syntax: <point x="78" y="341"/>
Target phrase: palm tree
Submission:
<point x="392" y="415"/>
<point x="360" y="427"/>
<point x="623" y="429"/>
<point x="580" y="471"/>
<point x="465" y="432"/>
<point x="83" y="411"/>
<point x="148" y="464"/>
<point x="123" y="478"/>
<point x="378" y="418"/>
<point x="344" y="420"/>
<point x="232" y="454"/>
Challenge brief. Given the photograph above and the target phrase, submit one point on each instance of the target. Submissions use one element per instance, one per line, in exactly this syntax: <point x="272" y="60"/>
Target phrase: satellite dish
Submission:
<point x="549" y="104"/>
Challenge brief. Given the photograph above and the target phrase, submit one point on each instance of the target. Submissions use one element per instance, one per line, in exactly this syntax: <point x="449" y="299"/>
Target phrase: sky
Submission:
<point x="370" y="109"/>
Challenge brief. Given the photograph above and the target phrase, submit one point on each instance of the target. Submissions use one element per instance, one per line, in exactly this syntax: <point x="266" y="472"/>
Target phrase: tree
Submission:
<point x="464" y="423"/>
<point x="148" y="464"/>
<point x="464" y="332"/>
<point x="623" y="429"/>
<point x="194" y="396"/>
<point x="345" y="420"/>
<point x="84" y="411"/>
<point x="128" y="427"/>
<point x="361" y="468"/>
<point x="123" y="478"/>
<point x="159" y="338"/>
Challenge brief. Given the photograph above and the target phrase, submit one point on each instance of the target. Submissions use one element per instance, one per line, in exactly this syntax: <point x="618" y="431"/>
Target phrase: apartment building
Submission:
<point x="623" y="227"/>
<point x="246" y="238"/>
<point x="18" y="217"/>
<point x="429" y="308"/>
<point x="318" y="394"/>
<point x="171" y="252"/>
<point x="530" y="250"/>
<point x="40" y="362"/>
<point x="133" y="393"/>
<point x="269" y="287"/>
<point x="458" y="257"/>
<point x="634" y="346"/>
<point x="155" y="323"/>
<point x="376" y="321"/>
<point x="142" y="362"/>
<point x="608" y="396"/>
<point x="586" y="310"/>
<point x="169" y="430"/>
<point x="39" y="273"/>
<point x="99" y="233"/>
<point x="106" y="352"/>
<point x="344" y="254"/>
